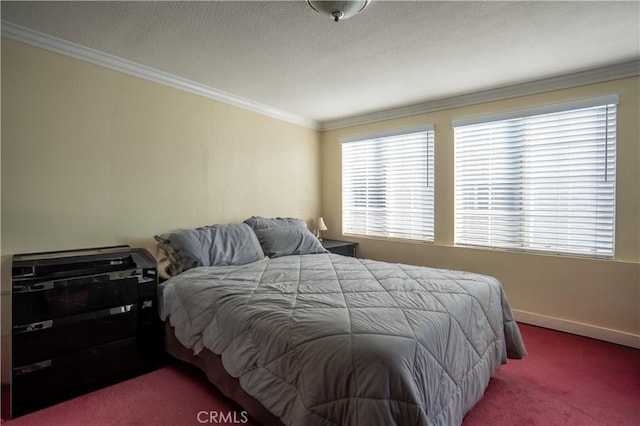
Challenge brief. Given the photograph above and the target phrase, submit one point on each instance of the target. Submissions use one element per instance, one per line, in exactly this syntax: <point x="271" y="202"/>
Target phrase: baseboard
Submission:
<point x="581" y="329"/>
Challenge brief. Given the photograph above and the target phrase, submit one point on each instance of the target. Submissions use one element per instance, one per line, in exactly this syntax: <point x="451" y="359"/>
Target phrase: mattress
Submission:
<point x="326" y="339"/>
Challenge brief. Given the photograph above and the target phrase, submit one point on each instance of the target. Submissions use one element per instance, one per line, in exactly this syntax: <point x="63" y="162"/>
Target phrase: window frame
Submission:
<point x="527" y="243"/>
<point x="389" y="232"/>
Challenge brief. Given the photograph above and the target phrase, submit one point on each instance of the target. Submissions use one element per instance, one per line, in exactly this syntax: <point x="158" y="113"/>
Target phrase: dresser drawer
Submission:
<point x="55" y="299"/>
<point x="54" y="380"/>
<point x="48" y="339"/>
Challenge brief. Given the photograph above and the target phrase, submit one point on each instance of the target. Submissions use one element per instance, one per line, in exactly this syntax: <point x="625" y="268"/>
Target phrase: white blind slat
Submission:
<point x="387" y="184"/>
<point x="542" y="182"/>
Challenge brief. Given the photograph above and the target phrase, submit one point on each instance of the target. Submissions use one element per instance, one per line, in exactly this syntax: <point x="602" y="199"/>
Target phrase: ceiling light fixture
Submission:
<point x="338" y="9"/>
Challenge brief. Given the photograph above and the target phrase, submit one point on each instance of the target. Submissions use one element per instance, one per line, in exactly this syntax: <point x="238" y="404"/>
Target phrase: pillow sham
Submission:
<point x="288" y="240"/>
<point x="183" y="248"/>
<point x="217" y="245"/>
<point x="234" y="244"/>
<point x="258" y="222"/>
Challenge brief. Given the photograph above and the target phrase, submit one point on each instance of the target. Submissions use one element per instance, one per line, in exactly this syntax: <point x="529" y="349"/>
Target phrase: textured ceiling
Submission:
<point x="395" y="53"/>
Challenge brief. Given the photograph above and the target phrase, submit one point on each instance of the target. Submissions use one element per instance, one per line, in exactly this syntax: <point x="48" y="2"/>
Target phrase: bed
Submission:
<point x="306" y="337"/>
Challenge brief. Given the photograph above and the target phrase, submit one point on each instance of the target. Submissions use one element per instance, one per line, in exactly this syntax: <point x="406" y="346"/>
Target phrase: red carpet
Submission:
<point x="566" y="380"/>
<point x="171" y="396"/>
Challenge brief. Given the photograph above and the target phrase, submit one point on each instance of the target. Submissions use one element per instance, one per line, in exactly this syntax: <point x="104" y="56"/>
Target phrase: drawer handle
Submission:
<point x="81" y="280"/>
<point x="35" y="326"/>
<point x="120" y="309"/>
<point x="32" y="367"/>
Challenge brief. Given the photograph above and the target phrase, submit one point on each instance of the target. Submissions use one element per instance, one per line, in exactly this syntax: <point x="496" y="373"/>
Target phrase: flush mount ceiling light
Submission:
<point x="338" y="9"/>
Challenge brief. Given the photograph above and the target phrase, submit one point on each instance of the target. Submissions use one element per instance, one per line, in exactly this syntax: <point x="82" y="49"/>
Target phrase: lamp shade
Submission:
<point x="338" y="9"/>
<point x="320" y="225"/>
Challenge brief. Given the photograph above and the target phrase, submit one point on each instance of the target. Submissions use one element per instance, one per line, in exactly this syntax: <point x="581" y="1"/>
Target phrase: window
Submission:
<point x="541" y="179"/>
<point x="387" y="184"/>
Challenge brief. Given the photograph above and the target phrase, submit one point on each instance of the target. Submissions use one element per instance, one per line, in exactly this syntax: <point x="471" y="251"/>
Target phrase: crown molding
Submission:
<point x="96" y="57"/>
<point x="83" y="53"/>
<point x="598" y="75"/>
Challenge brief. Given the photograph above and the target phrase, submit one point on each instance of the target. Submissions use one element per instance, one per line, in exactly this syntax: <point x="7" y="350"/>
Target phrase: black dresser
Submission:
<point x="81" y="320"/>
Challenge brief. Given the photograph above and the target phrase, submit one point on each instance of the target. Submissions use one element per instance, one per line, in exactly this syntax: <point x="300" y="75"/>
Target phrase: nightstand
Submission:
<point x="345" y="248"/>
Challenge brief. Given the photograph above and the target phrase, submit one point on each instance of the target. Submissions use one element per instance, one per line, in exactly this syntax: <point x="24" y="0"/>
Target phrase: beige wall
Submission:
<point x="598" y="295"/>
<point x="93" y="157"/>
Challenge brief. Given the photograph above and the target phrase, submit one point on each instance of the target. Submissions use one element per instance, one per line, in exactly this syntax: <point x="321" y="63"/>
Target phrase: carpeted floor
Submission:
<point x="566" y="380"/>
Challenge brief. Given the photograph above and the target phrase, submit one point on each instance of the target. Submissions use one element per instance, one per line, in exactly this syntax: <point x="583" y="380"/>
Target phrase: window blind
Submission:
<point x="543" y="182"/>
<point x="387" y="185"/>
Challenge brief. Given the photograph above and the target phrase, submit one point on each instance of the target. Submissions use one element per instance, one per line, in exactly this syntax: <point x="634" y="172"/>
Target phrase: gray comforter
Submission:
<point x="325" y="339"/>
